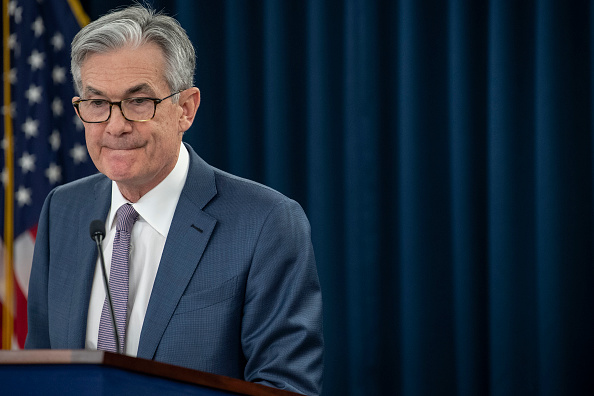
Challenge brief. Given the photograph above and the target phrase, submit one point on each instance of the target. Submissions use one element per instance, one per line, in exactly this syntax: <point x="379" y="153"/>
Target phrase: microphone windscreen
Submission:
<point x="97" y="228"/>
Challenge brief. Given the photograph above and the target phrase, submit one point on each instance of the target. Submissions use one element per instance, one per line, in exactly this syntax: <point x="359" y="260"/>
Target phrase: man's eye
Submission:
<point x="138" y="101"/>
<point x="97" y="103"/>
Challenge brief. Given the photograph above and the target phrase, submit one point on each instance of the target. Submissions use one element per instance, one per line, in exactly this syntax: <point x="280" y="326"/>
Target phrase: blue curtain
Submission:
<point x="443" y="153"/>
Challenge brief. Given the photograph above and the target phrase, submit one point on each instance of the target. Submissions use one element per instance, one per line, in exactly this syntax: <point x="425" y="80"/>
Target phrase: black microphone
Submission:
<point x="97" y="229"/>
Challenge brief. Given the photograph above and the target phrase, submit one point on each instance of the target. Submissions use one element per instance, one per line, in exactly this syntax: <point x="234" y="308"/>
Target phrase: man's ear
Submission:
<point x="74" y="99"/>
<point x="189" y="101"/>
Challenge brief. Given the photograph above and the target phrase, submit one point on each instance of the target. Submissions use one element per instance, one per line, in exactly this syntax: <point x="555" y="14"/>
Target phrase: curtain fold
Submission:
<point x="511" y="198"/>
<point x="426" y="267"/>
<point x="361" y="175"/>
<point x="564" y="198"/>
<point x="467" y="63"/>
<point x="443" y="154"/>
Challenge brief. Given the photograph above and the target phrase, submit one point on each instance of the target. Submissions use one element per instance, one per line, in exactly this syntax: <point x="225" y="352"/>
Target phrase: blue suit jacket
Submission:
<point x="236" y="293"/>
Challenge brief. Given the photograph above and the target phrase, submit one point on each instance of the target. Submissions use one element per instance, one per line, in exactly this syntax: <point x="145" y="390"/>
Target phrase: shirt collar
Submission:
<point x="158" y="205"/>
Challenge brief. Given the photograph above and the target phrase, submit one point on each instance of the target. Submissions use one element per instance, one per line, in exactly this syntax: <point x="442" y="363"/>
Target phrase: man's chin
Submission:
<point x="123" y="175"/>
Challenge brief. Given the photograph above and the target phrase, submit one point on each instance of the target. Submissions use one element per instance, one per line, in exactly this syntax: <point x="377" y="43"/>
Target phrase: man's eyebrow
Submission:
<point x="140" y="88"/>
<point x="93" y="91"/>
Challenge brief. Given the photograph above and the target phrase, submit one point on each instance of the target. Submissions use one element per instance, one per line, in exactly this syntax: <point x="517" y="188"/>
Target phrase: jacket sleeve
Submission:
<point x="37" y="300"/>
<point x="282" y="323"/>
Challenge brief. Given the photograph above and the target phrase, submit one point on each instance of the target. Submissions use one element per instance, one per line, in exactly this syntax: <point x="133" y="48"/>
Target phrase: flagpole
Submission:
<point x="8" y="305"/>
<point x="79" y="13"/>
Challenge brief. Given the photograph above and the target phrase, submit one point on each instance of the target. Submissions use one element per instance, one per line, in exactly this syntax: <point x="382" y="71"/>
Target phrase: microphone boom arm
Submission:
<point x="97" y="235"/>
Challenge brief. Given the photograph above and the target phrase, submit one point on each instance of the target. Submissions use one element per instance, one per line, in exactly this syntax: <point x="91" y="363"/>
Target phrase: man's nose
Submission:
<point x="117" y="123"/>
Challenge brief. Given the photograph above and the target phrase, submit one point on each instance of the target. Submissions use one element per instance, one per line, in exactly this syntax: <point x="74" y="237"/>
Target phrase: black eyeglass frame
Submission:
<point x="156" y="101"/>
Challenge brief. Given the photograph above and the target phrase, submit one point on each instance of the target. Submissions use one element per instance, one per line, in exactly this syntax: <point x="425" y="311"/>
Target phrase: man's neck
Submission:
<point x="133" y="192"/>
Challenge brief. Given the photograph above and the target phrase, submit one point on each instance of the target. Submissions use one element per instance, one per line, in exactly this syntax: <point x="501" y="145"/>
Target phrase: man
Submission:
<point x="221" y="272"/>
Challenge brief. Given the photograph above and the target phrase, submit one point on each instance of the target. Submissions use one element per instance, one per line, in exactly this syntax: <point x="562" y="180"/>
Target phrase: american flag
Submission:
<point x="43" y="143"/>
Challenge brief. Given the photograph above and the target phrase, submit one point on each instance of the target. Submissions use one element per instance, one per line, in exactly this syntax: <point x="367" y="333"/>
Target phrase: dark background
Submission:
<point x="443" y="153"/>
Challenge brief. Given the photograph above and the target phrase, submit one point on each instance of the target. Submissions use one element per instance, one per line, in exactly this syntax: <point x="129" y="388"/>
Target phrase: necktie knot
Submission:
<point x="127" y="216"/>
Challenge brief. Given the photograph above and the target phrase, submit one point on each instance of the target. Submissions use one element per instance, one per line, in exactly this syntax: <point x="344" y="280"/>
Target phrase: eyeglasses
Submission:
<point x="133" y="109"/>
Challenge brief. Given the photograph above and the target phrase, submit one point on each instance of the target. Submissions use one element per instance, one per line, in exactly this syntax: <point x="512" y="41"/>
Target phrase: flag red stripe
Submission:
<point x="20" y="320"/>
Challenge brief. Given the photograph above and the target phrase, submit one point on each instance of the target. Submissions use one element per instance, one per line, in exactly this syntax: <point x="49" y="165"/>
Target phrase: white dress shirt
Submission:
<point x="149" y="233"/>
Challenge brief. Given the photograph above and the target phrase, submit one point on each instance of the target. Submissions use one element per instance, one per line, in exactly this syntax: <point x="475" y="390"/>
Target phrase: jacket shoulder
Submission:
<point x="228" y="183"/>
<point x="80" y="191"/>
<point x="84" y="185"/>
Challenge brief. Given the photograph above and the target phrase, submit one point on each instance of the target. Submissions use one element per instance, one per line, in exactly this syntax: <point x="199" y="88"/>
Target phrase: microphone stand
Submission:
<point x="98" y="238"/>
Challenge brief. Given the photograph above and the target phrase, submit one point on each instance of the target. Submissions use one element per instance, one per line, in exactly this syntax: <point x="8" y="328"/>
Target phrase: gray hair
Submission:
<point x="134" y="26"/>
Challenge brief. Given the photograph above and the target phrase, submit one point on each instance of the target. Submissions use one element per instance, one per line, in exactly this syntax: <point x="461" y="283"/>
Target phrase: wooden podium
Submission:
<point x="81" y="372"/>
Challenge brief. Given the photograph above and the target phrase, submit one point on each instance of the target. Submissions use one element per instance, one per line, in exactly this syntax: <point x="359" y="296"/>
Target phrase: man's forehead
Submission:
<point x="124" y="71"/>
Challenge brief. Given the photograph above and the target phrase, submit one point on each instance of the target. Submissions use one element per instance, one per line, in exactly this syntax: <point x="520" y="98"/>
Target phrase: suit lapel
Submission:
<point x="188" y="236"/>
<point x="86" y="254"/>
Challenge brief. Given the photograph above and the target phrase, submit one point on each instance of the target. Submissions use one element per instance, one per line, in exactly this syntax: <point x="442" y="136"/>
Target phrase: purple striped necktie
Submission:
<point x="118" y="282"/>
